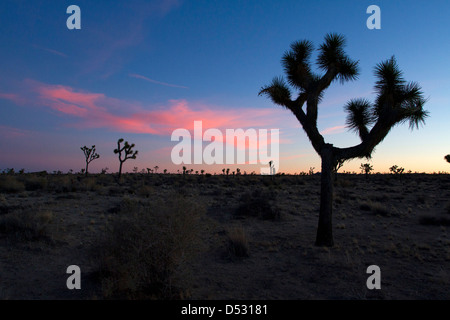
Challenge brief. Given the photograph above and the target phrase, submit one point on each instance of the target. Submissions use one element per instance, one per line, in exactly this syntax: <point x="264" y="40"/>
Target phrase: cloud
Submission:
<point x="55" y="52"/>
<point x="96" y="110"/>
<point x="333" y="130"/>
<point x="12" y="132"/>
<point x="138" y="76"/>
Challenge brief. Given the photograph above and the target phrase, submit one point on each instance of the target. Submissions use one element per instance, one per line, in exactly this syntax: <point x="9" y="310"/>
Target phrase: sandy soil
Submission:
<point x="400" y="224"/>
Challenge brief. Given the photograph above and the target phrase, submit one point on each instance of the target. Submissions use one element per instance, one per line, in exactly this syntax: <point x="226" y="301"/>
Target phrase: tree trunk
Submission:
<point x="87" y="165"/>
<point x="325" y="229"/>
<point x="120" y="169"/>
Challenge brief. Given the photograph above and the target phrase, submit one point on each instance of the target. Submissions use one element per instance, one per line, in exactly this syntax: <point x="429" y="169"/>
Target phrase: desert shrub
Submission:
<point x="428" y="220"/>
<point x="237" y="243"/>
<point x="35" y="182"/>
<point x="26" y="225"/>
<point x="143" y="254"/>
<point x="376" y="208"/>
<point x="144" y="191"/>
<point x="89" y="184"/>
<point x="10" y="184"/>
<point x="257" y="204"/>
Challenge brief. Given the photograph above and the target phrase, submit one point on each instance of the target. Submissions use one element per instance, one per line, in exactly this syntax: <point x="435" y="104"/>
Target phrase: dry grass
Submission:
<point x="10" y="184"/>
<point x="144" y="250"/>
<point x="237" y="243"/>
<point x="26" y="225"/>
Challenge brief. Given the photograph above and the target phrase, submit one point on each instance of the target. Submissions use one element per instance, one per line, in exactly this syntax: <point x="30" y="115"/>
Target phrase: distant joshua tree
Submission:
<point x="128" y="153"/>
<point x="165" y="171"/>
<point x="447" y="158"/>
<point x="366" y="168"/>
<point x="90" y="156"/>
<point x="396" y="102"/>
<point x="156" y="169"/>
<point x="396" y="169"/>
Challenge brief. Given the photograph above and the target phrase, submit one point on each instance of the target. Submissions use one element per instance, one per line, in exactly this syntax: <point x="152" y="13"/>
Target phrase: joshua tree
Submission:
<point x="396" y="170"/>
<point x="90" y="155"/>
<point x="165" y="171"/>
<point x="447" y="158"/>
<point x="156" y="169"/>
<point x="228" y="171"/>
<point x="396" y="102"/>
<point x="366" y="168"/>
<point x="202" y="171"/>
<point x="128" y="153"/>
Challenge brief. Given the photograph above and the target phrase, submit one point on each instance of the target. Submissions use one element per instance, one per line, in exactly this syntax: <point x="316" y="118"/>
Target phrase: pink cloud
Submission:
<point x="17" y="99"/>
<point x="96" y="110"/>
<point x="333" y="130"/>
<point x="11" y="132"/>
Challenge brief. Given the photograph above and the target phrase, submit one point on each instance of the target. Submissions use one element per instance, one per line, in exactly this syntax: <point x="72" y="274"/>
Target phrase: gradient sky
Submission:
<point x="140" y="69"/>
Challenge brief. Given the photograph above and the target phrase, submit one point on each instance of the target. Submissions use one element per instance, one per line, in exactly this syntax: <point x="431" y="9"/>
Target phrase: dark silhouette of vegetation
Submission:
<point x="366" y="168"/>
<point x="396" y="169"/>
<point x="397" y="101"/>
<point x="126" y="151"/>
<point x="90" y="155"/>
<point x="447" y="158"/>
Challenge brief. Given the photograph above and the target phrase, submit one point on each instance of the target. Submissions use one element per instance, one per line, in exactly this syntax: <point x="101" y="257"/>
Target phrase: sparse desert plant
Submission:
<point x="143" y="256"/>
<point x="10" y="184"/>
<point x="34" y="182"/>
<point x="128" y="153"/>
<point x="237" y="243"/>
<point x="366" y="168"/>
<point x="311" y="171"/>
<point x="396" y="169"/>
<point x="396" y="102"/>
<point x="257" y="204"/>
<point x="90" y="155"/>
<point x="26" y="225"/>
<point x="376" y="208"/>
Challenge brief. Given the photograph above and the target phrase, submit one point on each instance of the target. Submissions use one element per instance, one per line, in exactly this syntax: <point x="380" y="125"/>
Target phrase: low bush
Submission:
<point x="143" y="254"/>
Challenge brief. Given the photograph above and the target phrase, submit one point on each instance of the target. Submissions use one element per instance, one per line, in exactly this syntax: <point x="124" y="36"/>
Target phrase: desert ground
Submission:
<point x="216" y="237"/>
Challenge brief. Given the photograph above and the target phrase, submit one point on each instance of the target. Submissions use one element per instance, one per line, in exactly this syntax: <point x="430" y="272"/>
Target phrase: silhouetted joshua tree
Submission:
<point x="90" y="155"/>
<point x="396" y="102"/>
<point x="366" y="168"/>
<point x="127" y="151"/>
<point x="447" y="158"/>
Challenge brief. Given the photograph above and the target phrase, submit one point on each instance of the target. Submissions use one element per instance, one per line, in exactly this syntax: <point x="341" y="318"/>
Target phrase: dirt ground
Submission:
<point x="399" y="223"/>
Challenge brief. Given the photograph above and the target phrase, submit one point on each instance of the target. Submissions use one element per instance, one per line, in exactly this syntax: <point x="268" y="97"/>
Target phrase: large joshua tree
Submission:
<point x="128" y="153"/>
<point x="396" y="102"/>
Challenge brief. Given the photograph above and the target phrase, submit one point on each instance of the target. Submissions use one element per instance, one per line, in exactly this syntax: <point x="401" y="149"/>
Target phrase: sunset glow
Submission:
<point x="139" y="70"/>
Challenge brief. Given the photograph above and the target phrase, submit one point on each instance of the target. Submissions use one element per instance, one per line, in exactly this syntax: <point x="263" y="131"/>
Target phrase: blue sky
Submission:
<point x="140" y="69"/>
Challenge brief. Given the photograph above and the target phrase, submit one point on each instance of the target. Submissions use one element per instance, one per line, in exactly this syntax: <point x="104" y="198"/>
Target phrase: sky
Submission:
<point x="139" y="70"/>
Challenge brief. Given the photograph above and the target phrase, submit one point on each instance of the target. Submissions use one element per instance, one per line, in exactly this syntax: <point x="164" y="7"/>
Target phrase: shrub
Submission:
<point x="143" y="253"/>
<point x="237" y="243"/>
<point x="257" y="204"/>
<point x="376" y="208"/>
<point x="26" y="225"/>
<point x="33" y="183"/>
<point x="10" y="184"/>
